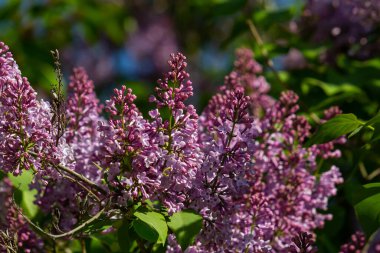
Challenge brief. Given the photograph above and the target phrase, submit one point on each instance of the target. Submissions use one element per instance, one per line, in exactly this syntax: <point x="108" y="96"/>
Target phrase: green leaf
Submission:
<point x="186" y="226"/>
<point x="337" y="99"/>
<point x="368" y="208"/>
<point x="126" y="237"/>
<point x="374" y="120"/>
<point x="22" y="182"/>
<point x="145" y="231"/>
<point x="101" y="224"/>
<point x="376" y="132"/>
<point x="97" y="246"/>
<point x="108" y="240"/>
<point x="364" y="191"/>
<point x="228" y="7"/>
<point x="27" y="203"/>
<point x="339" y="125"/>
<point x="330" y="89"/>
<point x="357" y="130"/>
<point x="150" y="225"/>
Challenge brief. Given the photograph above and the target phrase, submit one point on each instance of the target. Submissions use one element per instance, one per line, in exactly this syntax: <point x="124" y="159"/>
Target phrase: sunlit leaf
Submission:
<point x="339" y="125"/>
<point x="150" y="225"/>
<point x="186" y="226"/>
<point x="28" y="196"/>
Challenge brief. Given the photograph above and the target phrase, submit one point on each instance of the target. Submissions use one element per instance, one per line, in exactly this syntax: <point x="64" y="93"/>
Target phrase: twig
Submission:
<point x="364" y="173"/>
<point x="9" y="242"/>
<point x="264" y="53"/>
<point x="58" y="102"/>
<point x="66" y="234"/>
<point x="83" y="186"/>
<point x="83" y="246"/>
<point x="374" y="174"/>
<point x="75" y="174"/>
<point x="363" y="170"/>
<point x="140" y="243"/>
<point x="81" y="177"/>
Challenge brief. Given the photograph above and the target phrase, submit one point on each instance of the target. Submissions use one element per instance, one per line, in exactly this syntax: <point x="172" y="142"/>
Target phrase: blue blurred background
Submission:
<point x="128" y="42"/>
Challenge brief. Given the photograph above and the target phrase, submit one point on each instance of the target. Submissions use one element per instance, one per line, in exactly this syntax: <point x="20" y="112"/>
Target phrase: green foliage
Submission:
<point x="340" y="125"/>
<point x="126" y="236"/>
<point x="150" y="225"/>
<point x="376" y="132"/>
<point x="368" y="208"/>
<point x="25" y="197"/>
<point x="186" y="226"/>
<point x="343" y="124"/>
<point x="22" y="181"/>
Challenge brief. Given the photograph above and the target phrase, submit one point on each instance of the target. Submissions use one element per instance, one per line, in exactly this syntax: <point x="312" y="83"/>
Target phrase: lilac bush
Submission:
<point x="350" y="24"/>
<point x="241" y="164"/>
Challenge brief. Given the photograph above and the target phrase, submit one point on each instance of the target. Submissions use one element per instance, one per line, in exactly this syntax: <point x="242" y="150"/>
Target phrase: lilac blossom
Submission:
<point x="24" y="121"/>
<point x="77" y="151"/>
<point x="122" y="138"/>
<point x="356" y="243"/>
<point x="246" y="74"/>
<point x="173" y="153"/>
<point x="14" y="225"/>
<point x="154" y="159"/>
<point x="242" y="164"/>
<point x="258" y="186"/>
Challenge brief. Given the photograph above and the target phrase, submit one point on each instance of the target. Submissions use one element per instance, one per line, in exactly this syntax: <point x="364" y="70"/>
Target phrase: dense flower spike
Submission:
<point x="242" y="164"/>
<point x="123" y="134"/>
<point x="246" y="74"/>
<point x="289" y="173"/>
<point x="226" y="135"/>
<point x="25" y="122"/>
<point x="175" y="87"/>
<point x="271" y="183"/>
<point x="82" y="113"/>
<point x="173" y="152"/>
<point x="82" y="106"/>
<point x="157" y="159"/>
<point x="122" y="138"/>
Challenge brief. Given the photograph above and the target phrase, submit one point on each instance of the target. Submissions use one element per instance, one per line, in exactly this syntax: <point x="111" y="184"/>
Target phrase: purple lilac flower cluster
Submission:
<point x="351" y="24"/>
<point x="25" y="124"/>
<point x="77" y="151"/>
<point x="242" y="163"/>
<point x="15" y="232"/>
<point x="356" y="244"/>
<point x="258" y="186"/>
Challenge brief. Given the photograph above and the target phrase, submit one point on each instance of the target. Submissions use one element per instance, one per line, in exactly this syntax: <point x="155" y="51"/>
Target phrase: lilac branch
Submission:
<point x="75" y="174"/>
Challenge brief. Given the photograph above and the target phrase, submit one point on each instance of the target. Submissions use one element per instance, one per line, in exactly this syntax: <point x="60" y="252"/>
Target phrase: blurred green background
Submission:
<point x="325" y="50"/>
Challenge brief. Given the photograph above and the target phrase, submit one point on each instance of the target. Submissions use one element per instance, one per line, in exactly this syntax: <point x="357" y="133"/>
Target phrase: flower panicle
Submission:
<point x="175" y="87"/>
<point x="246" y="171"/>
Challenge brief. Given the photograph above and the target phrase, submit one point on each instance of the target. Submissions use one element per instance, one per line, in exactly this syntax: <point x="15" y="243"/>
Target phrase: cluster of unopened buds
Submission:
<point x="242" y="164"/>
